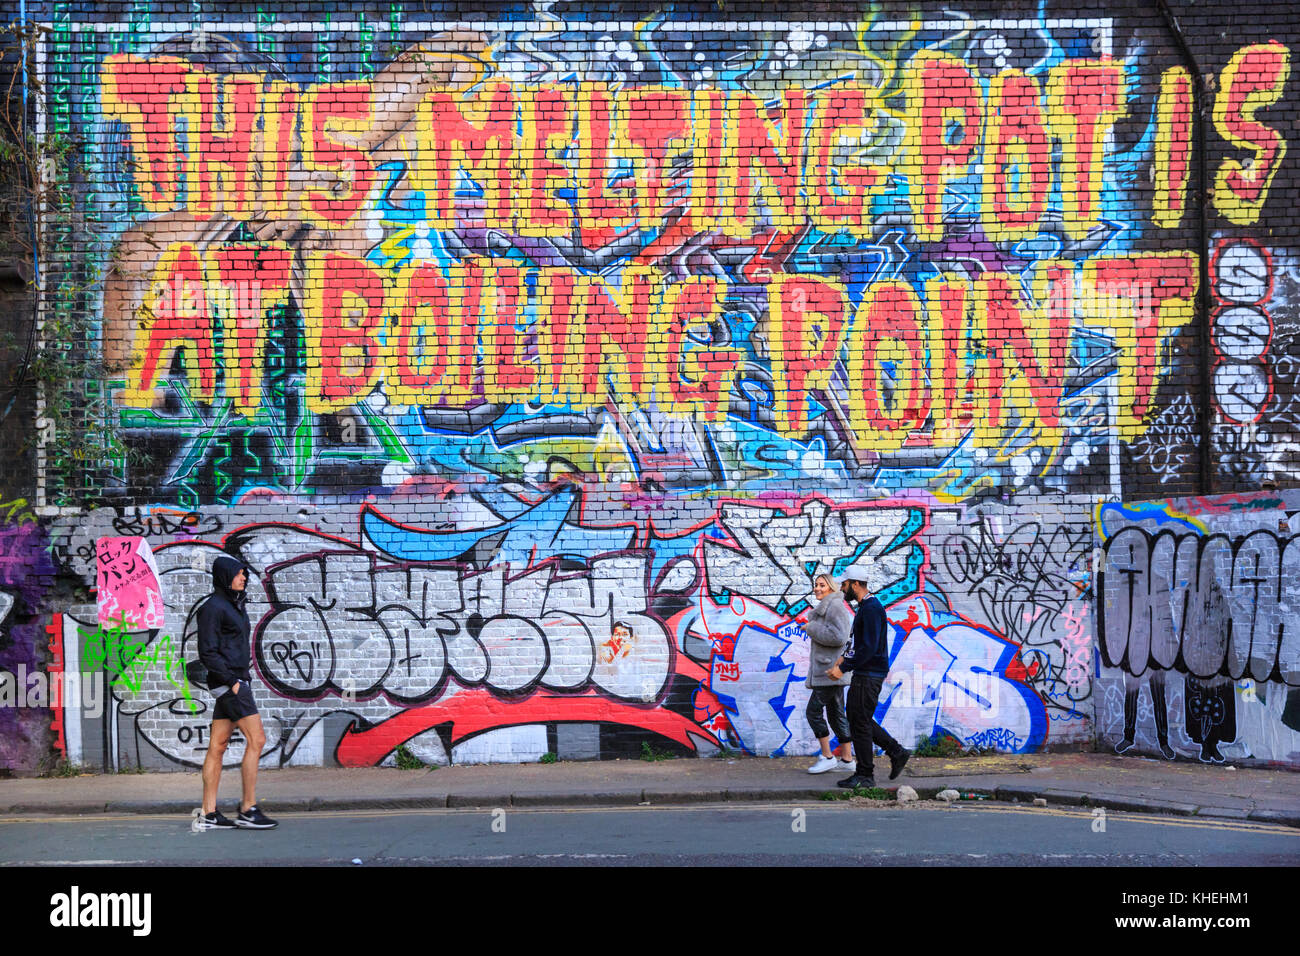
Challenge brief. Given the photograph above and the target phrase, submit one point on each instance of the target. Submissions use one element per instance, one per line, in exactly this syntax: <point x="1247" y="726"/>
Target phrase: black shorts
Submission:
<point x="235" y="706"/>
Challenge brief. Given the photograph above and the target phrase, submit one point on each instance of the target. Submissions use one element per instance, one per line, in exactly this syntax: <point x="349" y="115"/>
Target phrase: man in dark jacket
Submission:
<point x="224" y="651"/>
<point x="867" y="657"/>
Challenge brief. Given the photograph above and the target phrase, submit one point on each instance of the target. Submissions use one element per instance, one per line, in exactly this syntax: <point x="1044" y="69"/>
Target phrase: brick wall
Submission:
<point x="537" y="359"/>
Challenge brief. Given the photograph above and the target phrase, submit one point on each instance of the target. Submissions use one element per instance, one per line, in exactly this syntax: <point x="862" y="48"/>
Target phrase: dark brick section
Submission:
<point x="1247" y="459"/>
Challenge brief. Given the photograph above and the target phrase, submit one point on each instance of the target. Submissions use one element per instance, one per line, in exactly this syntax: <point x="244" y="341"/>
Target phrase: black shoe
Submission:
<point x="896" y="764"/>
<point x="212" y="821"/>
<point x="856" y="782"/>
<point x="254" y="819"/>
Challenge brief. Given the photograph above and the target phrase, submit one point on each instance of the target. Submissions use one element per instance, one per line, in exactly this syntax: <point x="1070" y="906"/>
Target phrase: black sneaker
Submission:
<point x="212" y="821"/>
<point x="856" y="782"/>
<point x="254" y="819"/>
<point x="896" y="764"/>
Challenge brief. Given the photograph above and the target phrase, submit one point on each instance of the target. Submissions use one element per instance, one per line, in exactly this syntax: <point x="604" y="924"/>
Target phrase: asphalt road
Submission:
<point x="820" y="834"/>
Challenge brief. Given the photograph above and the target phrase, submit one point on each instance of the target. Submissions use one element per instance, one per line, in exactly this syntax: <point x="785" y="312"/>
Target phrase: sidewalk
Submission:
<point x="1076" y="779"/>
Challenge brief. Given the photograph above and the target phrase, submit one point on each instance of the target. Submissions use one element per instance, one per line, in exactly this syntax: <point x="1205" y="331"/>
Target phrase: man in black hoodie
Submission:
<point x="866" y="656"/>
<point x="224" y="651"/>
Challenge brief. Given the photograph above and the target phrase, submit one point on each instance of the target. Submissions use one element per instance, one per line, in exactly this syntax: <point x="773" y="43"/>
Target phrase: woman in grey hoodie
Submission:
<point x="828" y="627"/>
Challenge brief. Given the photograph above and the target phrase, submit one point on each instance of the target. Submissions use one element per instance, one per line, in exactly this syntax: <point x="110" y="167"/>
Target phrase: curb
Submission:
<point x="619" y="798"/>
<point x="1287" y="818"/>
<point x="627" y="798"/>
<point x="1224" y="813"/>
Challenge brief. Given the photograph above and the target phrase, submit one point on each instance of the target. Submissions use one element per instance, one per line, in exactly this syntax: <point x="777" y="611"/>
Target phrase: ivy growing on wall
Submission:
<point x="60" y="358"/>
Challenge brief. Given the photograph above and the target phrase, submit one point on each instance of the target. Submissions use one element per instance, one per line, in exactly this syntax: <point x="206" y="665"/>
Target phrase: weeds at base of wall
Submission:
<point x="54" y="765"/>
<point x="549" y="758"/>
<point x="649" y="753"/>
<point x="406" y="760"/>
<point x="946" y="745"/>
<point x="64" y="769"/>
<point x="937" y="745"/>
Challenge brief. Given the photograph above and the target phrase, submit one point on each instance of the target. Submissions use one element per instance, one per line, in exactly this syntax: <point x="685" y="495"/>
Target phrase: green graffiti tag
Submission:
<point x="129" y="657"/>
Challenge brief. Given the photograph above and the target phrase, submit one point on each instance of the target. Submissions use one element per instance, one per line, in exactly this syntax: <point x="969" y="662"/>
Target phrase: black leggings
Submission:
<point x="831" y="700"/>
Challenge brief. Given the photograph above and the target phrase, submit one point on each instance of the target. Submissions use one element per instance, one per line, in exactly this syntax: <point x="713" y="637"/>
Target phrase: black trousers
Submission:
<point x="864" y="693"/>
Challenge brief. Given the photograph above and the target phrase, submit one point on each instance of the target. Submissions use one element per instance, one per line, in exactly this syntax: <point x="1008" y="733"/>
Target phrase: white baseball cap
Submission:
<point x="861" y="571"/>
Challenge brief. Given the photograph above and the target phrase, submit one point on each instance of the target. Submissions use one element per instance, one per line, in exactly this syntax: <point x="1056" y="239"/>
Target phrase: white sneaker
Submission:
<point x="823" y="764"/>
<point x="847" y="765"/>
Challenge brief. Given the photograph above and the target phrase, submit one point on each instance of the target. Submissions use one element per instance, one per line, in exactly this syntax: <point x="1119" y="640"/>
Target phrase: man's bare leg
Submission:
<point x="218" y="740"/>
<point x="254" y="741"/>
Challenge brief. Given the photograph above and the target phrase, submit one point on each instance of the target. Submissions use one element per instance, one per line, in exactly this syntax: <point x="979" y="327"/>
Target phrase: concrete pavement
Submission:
<point x="1075" y="779"/>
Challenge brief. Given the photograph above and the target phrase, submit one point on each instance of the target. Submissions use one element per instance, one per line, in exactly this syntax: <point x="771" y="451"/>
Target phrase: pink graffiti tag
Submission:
<point x="1078" y="644"/>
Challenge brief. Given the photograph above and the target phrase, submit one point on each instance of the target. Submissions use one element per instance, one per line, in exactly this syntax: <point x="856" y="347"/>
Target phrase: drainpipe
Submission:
<point x="1200" y="107"/>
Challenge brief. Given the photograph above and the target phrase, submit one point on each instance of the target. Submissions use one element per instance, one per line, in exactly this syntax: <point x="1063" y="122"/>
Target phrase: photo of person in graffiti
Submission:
<point x="828" y="625"/>
<point x="224" y="651"/>
<point x="867" y="656"/>
<point x="621" y="641"/>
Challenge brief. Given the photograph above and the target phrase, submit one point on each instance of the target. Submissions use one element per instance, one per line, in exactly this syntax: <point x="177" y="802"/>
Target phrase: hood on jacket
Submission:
<point x="224" y="571"/>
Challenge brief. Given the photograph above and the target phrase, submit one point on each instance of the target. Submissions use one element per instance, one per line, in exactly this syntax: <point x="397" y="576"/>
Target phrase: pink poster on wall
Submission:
<point x="128" y="584"/>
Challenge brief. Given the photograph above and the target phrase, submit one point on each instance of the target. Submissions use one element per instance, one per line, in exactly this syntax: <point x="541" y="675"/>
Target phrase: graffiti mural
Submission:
<point x="1197" y="606"/>
<point x="672" y="256"/>
<point x="447" y="639"/>
<point x="1027" y="577"/>
<point x="537" y="365"/>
